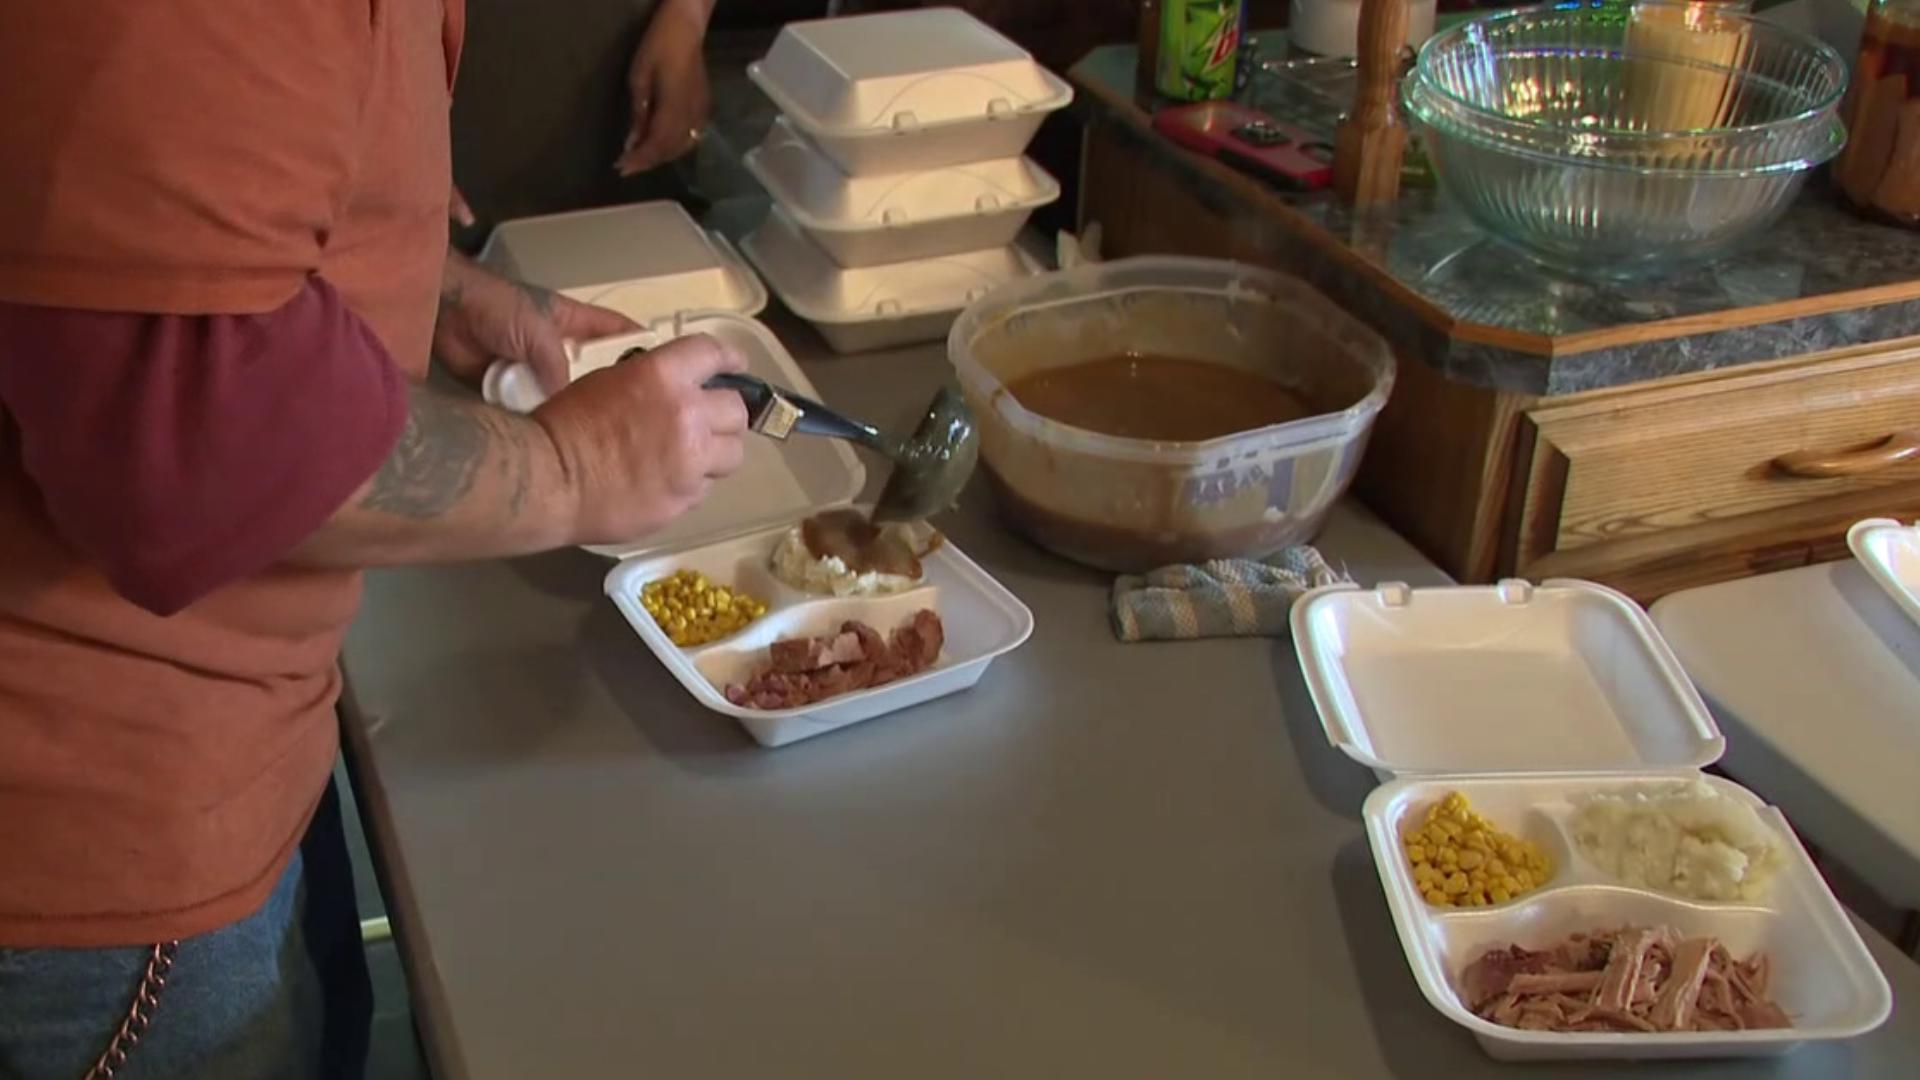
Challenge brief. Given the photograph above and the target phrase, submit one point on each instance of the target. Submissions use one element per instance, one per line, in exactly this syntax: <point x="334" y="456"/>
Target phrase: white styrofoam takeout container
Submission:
<point x="874" y="307"/>
<point x="648" y="261"/>
<point x="867" y="220"/>
<point x="779" y="483"/>
<point x="982" y="620"/>
<point x="1890" y="552"/>
<point x="908" y="90"/>
<point x="731" y="536"/>
<point x="1822" y="975"/>
<point x="1522" y="697"/>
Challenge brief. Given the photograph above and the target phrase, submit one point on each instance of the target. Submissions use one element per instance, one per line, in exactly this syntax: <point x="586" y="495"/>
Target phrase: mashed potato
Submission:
<point x="1685" y="839"/>
<point x="794" y="564"/>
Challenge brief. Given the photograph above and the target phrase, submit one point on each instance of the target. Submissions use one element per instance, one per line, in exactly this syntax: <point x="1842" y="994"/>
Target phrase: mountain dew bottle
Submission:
<point x="1199" y="48"/>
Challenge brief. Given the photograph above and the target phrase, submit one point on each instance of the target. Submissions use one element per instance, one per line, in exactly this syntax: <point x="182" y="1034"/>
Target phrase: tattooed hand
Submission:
<point x="484" y="317"/>
<point x="641" y="442"/>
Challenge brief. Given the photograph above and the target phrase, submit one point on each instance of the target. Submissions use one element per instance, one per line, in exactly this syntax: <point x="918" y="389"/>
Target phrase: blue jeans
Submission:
<point x="282" y="993"/>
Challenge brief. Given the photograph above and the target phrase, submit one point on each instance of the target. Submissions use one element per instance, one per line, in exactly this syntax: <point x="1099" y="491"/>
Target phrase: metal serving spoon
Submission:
<point x="930" y="466"/>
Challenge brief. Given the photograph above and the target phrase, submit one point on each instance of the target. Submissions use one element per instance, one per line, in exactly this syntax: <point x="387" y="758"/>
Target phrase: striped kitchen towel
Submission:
<point x="1221" y="598"/>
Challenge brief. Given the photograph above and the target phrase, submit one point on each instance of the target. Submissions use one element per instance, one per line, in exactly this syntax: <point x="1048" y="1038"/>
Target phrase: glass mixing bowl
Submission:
<point x="1610" y="139"/>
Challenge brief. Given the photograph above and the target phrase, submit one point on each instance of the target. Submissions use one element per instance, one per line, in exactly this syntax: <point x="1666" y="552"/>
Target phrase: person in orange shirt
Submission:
<point x="223" y="269"/>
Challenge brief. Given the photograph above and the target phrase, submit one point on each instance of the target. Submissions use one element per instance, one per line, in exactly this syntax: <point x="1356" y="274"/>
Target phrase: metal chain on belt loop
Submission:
<point x="146" y="1001"/>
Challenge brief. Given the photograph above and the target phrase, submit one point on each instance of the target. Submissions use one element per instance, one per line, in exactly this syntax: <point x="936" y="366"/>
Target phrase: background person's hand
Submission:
<point x="485" y="317"/>
<point x="668" y="82"/>
<point x="643" y="441"/>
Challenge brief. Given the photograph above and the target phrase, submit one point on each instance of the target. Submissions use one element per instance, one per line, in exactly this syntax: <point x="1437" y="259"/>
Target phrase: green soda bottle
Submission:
<point x="1199" y="48"/>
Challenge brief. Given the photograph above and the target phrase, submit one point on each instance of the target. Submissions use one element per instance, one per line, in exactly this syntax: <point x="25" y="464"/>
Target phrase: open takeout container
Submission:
<point x="876" y="307"/>
<point x="908" y="90"/>
<point x="1890" y="552"/>
<point x="731" y="538"/>
<point x="982" y="619"/>
<point x="648" y="261"/>
<point x="1523" y="697"/>
<point x="868" y="220"/>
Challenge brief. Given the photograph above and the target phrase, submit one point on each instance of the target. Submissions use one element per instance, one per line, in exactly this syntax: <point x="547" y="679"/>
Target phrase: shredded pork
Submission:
<point x="1639" y="978"/>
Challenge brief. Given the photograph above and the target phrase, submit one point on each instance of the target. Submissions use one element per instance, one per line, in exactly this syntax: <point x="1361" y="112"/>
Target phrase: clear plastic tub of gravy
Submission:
<point x="1131" y="504"/>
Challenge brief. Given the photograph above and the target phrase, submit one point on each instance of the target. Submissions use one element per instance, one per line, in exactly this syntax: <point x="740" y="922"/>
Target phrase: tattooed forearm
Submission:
<point x="433" y="466"/>
<point x="541" y="299"/>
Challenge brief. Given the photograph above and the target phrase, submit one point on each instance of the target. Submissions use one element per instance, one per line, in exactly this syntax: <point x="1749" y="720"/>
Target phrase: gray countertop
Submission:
<point x="1105" y="861"/>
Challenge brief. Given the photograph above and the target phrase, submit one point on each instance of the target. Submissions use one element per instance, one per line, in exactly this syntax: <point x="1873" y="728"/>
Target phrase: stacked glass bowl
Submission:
<point x="1613" y="138"/>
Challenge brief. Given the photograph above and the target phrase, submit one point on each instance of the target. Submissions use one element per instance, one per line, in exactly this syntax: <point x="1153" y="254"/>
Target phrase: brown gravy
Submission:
<point x="1163" y="398"/>
<point x="864" y="547"/>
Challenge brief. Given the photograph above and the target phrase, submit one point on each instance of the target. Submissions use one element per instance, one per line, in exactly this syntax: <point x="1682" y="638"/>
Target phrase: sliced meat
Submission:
<point x="801" y="671"/>
<point x="933" y="638"/>
<point x="1637" y="980"/>
<point x="1673" y="1009"/>
<point x="872" y="645"/>
<point x="1489" y="977"/>
<point x="1557" y="982"/>
<point x="1623" y="969"/>
<point x="797" y="656"/>
<point x="847" y="649"/>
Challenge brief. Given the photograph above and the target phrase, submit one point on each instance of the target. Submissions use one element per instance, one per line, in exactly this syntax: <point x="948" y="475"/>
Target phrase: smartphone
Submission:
<point x="1252" y="141"/>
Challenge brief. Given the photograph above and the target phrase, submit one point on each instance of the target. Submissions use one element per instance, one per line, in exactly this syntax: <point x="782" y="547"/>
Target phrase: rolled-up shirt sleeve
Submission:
<point x="181" y="453"/>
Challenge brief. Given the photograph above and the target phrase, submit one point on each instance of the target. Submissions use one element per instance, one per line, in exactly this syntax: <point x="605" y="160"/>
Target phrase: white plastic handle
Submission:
<point x="510" y="384"/>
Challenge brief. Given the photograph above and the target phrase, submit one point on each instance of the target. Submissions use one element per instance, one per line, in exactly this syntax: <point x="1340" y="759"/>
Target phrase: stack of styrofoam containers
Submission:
<point x="896" y="170"/>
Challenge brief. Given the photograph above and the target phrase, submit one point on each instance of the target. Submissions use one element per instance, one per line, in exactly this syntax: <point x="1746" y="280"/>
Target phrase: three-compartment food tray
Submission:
<point x="982" y="621"/>
<point x="1890" y="553"/>
<point x="731" y="537"/>
<point x="1524" y="698"/>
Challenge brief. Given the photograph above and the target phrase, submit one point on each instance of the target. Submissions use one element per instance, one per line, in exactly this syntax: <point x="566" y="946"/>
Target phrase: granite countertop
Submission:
<point x="1432" y="281"/>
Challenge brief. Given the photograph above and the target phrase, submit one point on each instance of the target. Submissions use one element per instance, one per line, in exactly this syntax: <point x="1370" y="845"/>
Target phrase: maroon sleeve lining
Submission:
<point x="183" y="453"/>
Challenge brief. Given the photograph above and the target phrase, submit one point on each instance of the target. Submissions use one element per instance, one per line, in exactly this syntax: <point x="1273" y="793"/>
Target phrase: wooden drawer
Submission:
<point x="1717" y="456"/>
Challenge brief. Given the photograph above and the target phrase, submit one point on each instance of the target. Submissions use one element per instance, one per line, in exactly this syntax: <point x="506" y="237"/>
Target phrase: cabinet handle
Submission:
<point x="1892" y="450"/>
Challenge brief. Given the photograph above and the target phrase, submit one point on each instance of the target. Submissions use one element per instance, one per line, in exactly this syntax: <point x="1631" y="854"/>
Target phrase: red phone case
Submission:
<point x="1251" y="140"/>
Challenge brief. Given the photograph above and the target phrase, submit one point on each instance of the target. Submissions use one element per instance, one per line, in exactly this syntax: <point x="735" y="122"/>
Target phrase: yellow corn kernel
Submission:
<point x="1456" y="884"/>
<point x="1422" y="874"/>
<point x="1435" y="896"/>
<point x="1470" y="859"/>
<point x="1417" y="852"/>
<point x="694" y="611"/>
<point x="1499" y="895"/>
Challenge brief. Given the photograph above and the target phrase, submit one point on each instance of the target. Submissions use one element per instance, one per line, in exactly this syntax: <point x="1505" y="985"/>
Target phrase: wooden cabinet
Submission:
<point x="1667" y="484"/>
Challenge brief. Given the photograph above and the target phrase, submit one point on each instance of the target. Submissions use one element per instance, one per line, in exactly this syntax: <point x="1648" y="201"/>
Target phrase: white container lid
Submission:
<point x="817" y="195"/>
<point x="779" y="483"/>
<point x="901" y="71"/>
<point x="1566" y="676"/>
<point x="649" y="261"/>
<point x="820" y="291"/>
<point x="1890" y="553"/>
